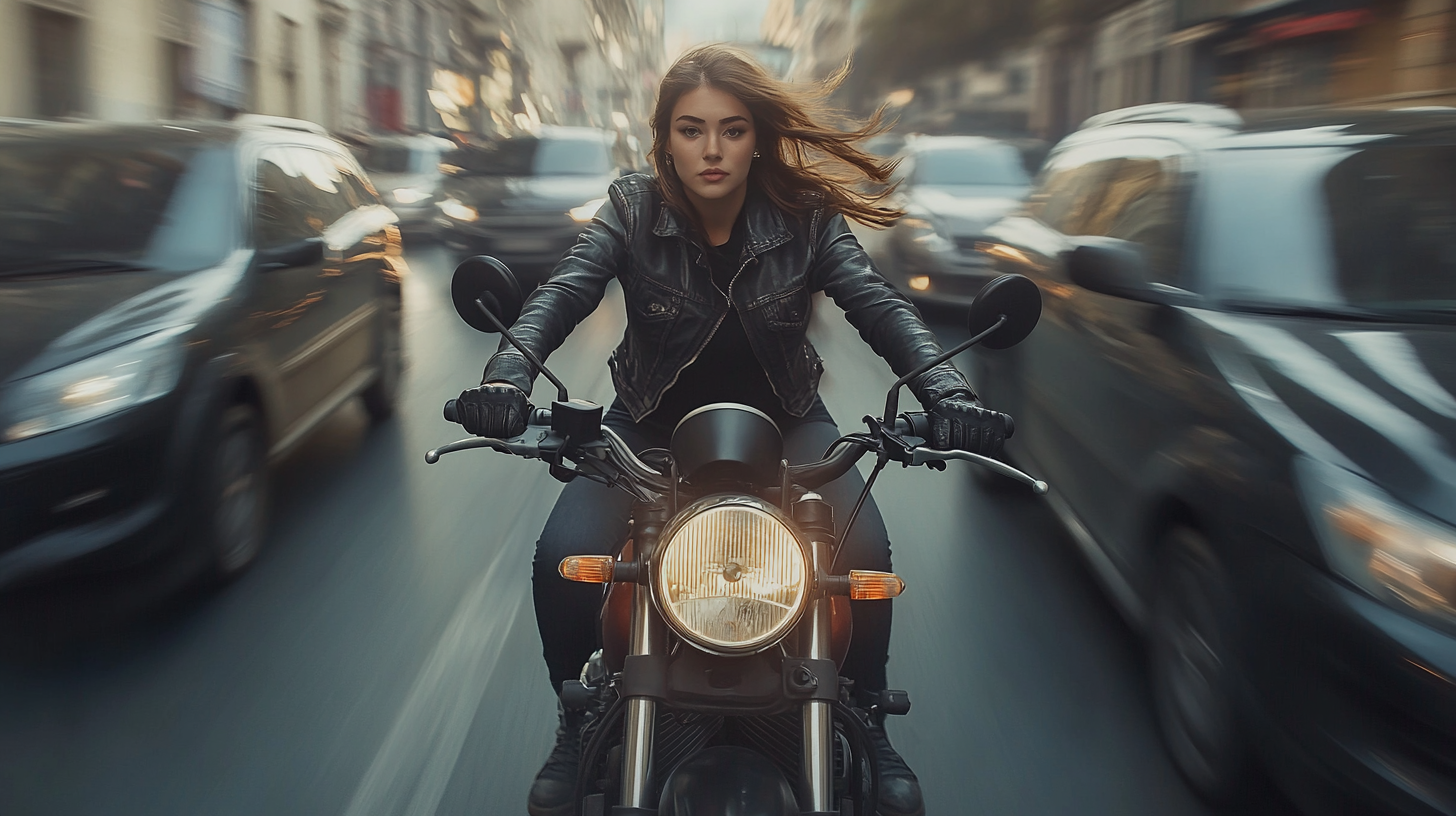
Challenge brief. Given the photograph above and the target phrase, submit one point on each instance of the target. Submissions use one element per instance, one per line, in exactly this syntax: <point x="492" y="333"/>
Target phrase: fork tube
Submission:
<point x="641" y="711"/>
<point x="818" y="716"/>
<point x="648" y="637"/>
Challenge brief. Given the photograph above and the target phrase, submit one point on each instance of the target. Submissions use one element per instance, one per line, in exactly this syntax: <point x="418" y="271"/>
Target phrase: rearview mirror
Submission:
<point x="1013" y="297"/>
<point x="485" y="279"/>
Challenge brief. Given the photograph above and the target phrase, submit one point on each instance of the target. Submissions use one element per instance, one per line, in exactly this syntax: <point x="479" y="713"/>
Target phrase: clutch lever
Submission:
<point x="921" y="456"/>
<point x="511" y="446"/>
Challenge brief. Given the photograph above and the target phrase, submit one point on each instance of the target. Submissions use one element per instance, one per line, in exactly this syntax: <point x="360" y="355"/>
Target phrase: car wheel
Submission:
<point x="1192" y="676"/>
<point x="235" y="500"/>
<point x="382" y="395"/>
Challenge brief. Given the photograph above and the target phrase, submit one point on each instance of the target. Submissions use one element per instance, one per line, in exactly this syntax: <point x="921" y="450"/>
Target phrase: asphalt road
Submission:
<point x="382" y="656"/>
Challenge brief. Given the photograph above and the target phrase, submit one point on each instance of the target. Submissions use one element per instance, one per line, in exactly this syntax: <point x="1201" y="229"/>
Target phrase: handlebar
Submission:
<point x="836" y="462"/>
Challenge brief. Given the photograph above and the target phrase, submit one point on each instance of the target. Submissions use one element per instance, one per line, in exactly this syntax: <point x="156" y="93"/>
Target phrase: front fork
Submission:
<point x="649" y="637"/>
<point x="818" y="760"/>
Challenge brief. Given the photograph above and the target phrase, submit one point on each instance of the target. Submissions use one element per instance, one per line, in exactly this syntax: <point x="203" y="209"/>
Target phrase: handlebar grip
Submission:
<point x="539" y="416"/>
<point x="913" y="423"/>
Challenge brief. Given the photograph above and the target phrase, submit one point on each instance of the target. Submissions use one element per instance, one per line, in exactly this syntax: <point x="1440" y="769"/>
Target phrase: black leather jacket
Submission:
<point x="673" y="307"/>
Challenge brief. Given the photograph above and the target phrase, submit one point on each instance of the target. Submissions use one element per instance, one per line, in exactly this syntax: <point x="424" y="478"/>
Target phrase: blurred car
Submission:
<point x="406" y="172"/>
<point x="179" y="305"/>
<point x="525" y="199"/>
<point x="953" y="187"/>
<point x="1243" y="392"/>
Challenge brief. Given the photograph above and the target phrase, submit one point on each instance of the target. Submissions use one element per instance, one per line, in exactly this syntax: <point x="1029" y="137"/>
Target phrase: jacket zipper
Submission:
<point x="729" y="297"/>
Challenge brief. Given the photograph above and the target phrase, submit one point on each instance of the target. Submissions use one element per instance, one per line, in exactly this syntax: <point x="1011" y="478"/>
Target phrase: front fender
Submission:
<point x="727" y="780"/>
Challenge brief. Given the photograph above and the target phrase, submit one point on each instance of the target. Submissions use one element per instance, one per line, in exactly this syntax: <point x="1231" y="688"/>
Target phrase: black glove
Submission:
<point x="961" y="422"/>
<point x="498" y="411"/>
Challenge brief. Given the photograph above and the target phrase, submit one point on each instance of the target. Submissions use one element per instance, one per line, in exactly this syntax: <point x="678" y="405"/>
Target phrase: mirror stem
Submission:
<point x="494" y="321"/>
<point x="892" y="402"/>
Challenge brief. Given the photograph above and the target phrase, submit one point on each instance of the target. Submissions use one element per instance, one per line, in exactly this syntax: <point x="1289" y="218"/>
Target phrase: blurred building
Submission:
<point x="818" y="35"/>
<point x="1246" y="53"/>
<point x="356" y="66"/>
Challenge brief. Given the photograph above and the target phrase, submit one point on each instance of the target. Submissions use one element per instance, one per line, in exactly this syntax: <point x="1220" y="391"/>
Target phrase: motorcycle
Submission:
<point x="724" y="617"/>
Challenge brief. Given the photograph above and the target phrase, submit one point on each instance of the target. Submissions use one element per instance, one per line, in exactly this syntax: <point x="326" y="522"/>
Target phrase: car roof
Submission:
<point x="1215" y="126"/>
<point x="180" y="132"/>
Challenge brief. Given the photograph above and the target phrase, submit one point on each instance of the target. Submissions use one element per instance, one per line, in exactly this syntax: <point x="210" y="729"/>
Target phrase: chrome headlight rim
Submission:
<point x="683" y="518"/>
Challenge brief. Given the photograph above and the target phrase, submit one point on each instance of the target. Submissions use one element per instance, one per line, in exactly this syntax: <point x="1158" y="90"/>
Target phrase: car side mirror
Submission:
<point x="304" y="252"/>
<point x="1112" y="266"/>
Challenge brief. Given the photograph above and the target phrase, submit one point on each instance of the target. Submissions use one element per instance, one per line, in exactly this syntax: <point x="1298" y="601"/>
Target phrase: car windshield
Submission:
<point x="1371" y="229"/>
<point x="99" y="200"/>
<point x="534" y="157"/>
<point x="996" y="166"/>
<point x="385" y="158"/>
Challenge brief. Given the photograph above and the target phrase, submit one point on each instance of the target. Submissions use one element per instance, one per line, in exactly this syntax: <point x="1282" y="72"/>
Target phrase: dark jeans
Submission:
<point x="591" y="519"/>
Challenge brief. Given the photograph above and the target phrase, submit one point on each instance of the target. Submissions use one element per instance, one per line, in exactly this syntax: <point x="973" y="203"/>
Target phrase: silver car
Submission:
<point x="406" y="172"/>
<point x="952" y="188"/>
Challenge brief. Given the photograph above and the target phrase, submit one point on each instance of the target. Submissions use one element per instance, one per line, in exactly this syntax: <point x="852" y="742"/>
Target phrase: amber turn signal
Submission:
<point x="588" y="569"/>
<point x="867" y="585"/>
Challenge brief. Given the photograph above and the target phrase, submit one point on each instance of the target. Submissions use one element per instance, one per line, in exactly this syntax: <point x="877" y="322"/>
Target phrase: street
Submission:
<point x="382" y="656"/>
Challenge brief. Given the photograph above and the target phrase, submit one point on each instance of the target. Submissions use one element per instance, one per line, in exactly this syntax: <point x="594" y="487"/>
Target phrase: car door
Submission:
<point x="342" y="353"/>
<point x="1042" y="374"/>
<point x="1126" y="386"/>
<point x="286" y="314"/>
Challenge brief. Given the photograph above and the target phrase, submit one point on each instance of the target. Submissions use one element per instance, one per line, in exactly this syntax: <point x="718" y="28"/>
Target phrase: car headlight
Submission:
<point x="113" y="381"/>
<point x="928" y="234"/>
<point x="730" y="576"/>
<point x="585" y="212"/>
<point x="409" y="195"/>
<point x="1393" y="552"/>
<point x="457" y="210"/>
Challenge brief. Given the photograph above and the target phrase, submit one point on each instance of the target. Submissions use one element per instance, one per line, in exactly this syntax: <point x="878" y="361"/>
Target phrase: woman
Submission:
<point x="718" y="255"/>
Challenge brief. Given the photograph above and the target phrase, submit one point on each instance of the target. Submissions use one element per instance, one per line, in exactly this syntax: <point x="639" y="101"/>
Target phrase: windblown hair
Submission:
<point x="805" y="160"/>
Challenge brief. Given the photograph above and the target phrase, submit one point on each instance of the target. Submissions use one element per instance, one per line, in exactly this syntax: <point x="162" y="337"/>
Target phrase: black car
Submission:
<point x="952" y="188"/>
<point x="1243" y="391"/>
<point x="525" y="199"/>
<point x="179" y="304"/>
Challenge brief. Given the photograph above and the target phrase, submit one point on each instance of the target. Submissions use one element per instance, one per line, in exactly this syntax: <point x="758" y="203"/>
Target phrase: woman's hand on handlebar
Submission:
<point x="497" y="410"/>
<point x="961" y="422"/>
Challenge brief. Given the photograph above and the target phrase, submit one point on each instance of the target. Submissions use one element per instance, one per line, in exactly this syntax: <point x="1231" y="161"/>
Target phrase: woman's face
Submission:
<point x="711" y="143"/>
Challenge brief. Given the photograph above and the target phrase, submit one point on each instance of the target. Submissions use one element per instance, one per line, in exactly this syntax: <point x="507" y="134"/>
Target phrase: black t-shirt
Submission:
<point x="726" y="370"/>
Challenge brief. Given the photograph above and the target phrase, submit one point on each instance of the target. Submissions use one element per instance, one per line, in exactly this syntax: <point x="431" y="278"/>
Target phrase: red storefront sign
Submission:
<point x="1289" y="29"/>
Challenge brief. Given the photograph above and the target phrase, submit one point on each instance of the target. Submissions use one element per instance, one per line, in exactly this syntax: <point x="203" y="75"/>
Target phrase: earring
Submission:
<point x="756" y="155"/>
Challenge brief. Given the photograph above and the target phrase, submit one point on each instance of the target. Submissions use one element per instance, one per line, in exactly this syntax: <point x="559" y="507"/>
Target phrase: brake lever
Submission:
<point x="923" y="456"/>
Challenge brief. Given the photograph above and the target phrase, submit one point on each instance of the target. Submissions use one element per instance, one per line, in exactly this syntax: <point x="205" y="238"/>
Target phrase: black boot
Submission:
<point x="899" y="789"/>
<point x="554" y="791"/>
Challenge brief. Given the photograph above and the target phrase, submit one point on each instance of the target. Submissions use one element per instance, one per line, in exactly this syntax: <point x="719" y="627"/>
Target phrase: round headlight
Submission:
<point x="730" y="576"/>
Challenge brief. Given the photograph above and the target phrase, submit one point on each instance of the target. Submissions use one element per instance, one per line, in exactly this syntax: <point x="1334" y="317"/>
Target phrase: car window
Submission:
<point x="297" y="196"/>
<point x="1068" y="191"/>
<point x="1392" y="220"/>
<point x="1144" y="201"/>
<point x="389" y="158"/>
<point x="997" y="165"/>
<point x="572" y="157"/>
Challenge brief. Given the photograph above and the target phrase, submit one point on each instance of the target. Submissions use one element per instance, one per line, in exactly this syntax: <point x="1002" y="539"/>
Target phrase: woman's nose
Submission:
<point x="712" y="149"/>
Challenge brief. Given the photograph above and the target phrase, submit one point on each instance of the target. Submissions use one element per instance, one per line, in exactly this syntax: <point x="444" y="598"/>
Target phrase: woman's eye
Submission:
<point x="690" y="132"/>
<point x="733" y="133"/>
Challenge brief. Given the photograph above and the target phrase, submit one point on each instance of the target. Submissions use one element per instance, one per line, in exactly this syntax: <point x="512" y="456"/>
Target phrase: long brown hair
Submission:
<point x="800" y="149"/>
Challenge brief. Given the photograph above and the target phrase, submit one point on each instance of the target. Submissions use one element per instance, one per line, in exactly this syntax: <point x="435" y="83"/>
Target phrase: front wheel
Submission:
<point x="233" y="506"/>
<point x="382" y="395"/>
<point x="1192" y="675"/>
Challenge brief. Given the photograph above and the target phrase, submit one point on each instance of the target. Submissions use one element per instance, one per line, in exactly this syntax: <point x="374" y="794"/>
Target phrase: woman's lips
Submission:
<point x="713" y="175"/>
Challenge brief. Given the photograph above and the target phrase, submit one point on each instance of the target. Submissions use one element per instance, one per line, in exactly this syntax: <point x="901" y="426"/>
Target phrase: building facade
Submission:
<point x="358" y="67"/>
